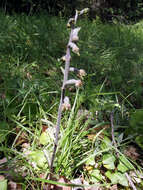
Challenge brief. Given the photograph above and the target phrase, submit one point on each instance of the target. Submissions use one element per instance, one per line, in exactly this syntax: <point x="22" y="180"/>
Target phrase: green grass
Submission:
<point x="30" y="82"/>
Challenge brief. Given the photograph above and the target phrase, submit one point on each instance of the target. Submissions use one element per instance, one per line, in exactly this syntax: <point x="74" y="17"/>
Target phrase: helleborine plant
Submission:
<point x="65" y="101"/>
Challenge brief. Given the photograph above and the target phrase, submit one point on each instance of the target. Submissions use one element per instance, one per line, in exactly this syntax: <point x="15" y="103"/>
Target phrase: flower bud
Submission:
<point x="66" y="104"/>
<point x="74" y="47"/>
<point x="75" y="37"/>
<point x="81" y="73"/>
<point x="84" y="11"/>
<point x="78" y="83"/>
<point x="63" y="58"/>
<point x="71" y="21"/>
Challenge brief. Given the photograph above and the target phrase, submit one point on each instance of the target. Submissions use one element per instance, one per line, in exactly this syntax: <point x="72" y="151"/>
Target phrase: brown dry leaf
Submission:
<point x="44" y="128"/>
<point x="57" y="187"/>
<point x="114" y="187"/>
<point x="29" y="76"/>
<point x="132" y="153"/>
<point x="43" y="175"/>
<point x="97" y="129"/>
<point x="21" y="139"/>
<point x="91" y="136"/>
<point x="94" y="188"/>
<point x="45" y="186"/>
<point x="25" y="145"/>
<point x="19" y="187"/>
<point x="14" y="186"/>
<point x="62" y="180"/>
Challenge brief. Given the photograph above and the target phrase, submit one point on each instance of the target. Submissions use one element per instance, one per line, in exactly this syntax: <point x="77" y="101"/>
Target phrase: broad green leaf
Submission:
<point x="112" y="177"/>
<point x="44" y="138"/>
<point x="108" y="161"/>
<point x="122" y="180"/>
<point x="122" y="167"/>
<point x="96" y="176"/>
<point x="39" y="158"/>
<point x="117" y="178"/>
<point x="124" y="164"/>
<point x="3" y="184"/>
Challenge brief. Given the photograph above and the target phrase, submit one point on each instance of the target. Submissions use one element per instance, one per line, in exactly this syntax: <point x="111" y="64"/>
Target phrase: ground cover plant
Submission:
<point x="107" y="108"/>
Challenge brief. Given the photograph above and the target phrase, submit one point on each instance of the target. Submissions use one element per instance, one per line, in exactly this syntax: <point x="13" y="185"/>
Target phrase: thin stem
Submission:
<point x="66" y="72"/>
<point x="130" y="181"/>
<point x="57" y="130"/>
<point x="112" y="127"/>
<point x="112" y="132"/>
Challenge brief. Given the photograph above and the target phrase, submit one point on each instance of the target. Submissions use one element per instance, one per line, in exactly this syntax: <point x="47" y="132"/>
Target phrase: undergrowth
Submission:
<point x="30" y="80"/>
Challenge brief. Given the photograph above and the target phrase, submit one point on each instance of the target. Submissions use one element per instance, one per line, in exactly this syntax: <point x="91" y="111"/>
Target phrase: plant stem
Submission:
<point x="66" y="72"/>
<point x="112" y="128"/>
<point x="130" y="181"/>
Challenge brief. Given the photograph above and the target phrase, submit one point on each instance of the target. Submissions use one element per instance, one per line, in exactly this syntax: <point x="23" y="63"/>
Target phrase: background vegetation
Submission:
<point x="122" y="10"/>
<point x="31" y="44"/>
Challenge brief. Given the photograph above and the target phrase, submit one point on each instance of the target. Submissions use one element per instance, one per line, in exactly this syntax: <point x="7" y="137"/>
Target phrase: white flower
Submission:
<point x="74" y="47"/>
<point x="75" y="37"/>
<point x="78" y="83"/>
<point x="66" y="105"/>
<point x="81" y="73"/>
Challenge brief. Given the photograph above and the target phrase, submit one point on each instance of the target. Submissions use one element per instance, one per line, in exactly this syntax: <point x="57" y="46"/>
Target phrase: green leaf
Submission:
<point x="106" y="143"/>
<point x="108" y="161"/>
<point x="4" y="130"/>
<point x="44" y="139"/>
<point x="3" y="184"/>
<point x="91" y="161"/>
<point x="124" y="164"/>
<point x="96" y="176"/>
<point x="112" y="177"/>
<point x="39" y="158"/>
<point x="136" y="121"/>
<point x="122" y="180"/>
<point x="117" y="178"/>
<point x="122" y="167"/>
<point x="139" y="141"/>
